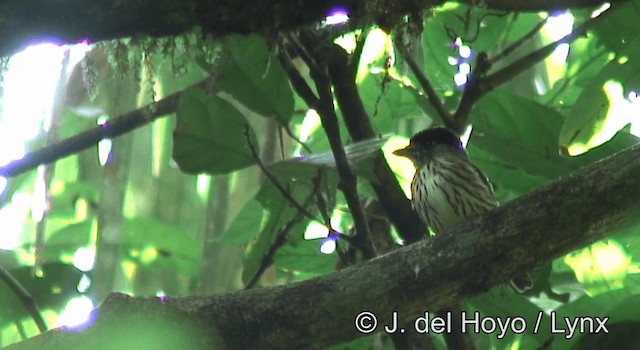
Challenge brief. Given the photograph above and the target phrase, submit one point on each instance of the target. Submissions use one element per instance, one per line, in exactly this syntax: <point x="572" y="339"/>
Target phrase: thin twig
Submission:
<point x="480" y="84"/>
<point x="281" y="239"/>
<point x="283" y="233"/>
<point x="518" y="43"/>
<point x="294" y="137"/>
<point x="348" y="181"/>
<point x="565" y="82"/>
<point x="356" y="119"/>
<point x="524" y="63"/>
<point x="283" y="191"/>
<point x="297" y="81"/>
<point x="471" y="94"/>
<point x="25" y="298"/>
<point x="428" y="89"/>
<point x="87" y="139"/>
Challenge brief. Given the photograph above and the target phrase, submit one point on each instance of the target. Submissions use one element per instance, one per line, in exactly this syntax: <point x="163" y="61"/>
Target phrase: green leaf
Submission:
<point x="305" y="256"/>
<point x="65" y="241"/>
<point x="520" y="133"/>
<point x="619" y="28"/>
<point x="254" y="77"/>
<point x="602" y="109"/>
<point x="161" y="246"/>
<point x="245" y="226"/>
<point x="278" y="212"/>
<point x="209" y="135"/>
<point x="391" y="101"/>
<point x="297" y="178"/>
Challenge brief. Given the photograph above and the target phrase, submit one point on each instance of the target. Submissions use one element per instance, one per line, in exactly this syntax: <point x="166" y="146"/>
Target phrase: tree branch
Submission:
<point x="480" y="84"/>
<point x="348" y="181"/>
<point x="527" y="232"/>
<point x="26" y="21"/>
<point x="113" y="128"/>
<point x="25" y="298"/>
<point x="395" y="204"/>
<point x="432" y="96"/>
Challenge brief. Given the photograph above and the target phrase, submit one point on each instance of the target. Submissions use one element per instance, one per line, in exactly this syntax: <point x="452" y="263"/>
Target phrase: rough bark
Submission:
<point x="429" y="275"/>
<point x="71" y="21"/>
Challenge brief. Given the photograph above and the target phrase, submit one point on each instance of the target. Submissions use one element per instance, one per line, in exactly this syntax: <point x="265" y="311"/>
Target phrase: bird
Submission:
<point x="447" y="188"/>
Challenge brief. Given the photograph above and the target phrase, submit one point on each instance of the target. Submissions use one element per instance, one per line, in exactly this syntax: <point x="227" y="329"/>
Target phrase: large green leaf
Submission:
<point x="64" y="242"/>
<point x="209" y="135"/>
<point x="619" y="27"/>
<point x="278" y="213"/>
<point x="254" y="77"/>
<point x="297" y="177"/>
<point x="160" y="246"/>
<point x="602" y="109"/>
<point x="520" y="133"/>
<point x="305" y="256"/>
<point x="245" y="226"/>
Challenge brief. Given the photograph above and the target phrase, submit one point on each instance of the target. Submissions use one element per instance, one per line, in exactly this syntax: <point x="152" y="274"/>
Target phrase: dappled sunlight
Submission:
<point x="76" y="313"/>
<point x="601" y="267"/>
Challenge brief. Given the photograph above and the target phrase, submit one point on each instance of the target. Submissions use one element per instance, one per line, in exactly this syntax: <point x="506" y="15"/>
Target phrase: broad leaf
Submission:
<point x="254" y="77"/>
<point x="209" y="136"/>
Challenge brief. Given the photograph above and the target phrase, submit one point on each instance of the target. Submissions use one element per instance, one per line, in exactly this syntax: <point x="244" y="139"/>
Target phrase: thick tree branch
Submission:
<point x="482" y="253"/>
<point x="387" y="189"/>
<point x="72" y="21"/>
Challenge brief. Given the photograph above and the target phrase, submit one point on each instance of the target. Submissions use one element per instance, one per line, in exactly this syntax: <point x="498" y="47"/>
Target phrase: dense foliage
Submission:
<point x="241" y="187"/>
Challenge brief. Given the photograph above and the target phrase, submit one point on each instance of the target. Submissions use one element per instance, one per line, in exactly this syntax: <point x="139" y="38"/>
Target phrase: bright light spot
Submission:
<point x="76" y="312"/>
<point x="452" y="60"/>
<point x="83" y="258"/>
<point x="560" y="54"/>
<point x="310" y="124"/>
<point x="597" y="12"/>
<point x="619" y="113"/>
<point x="623" y="59"/>
<point x="315" y="230"/>
<point x="558" y="26"/>
<point x="104" y="150"/>
<point x="12" y="217"/>
<point x="539" y="85"/>
<point x="460" y="79"/>
<point x="148" y="254"/>
<point x="29" y="86"/>
<point x="347" y="42"/>
<point x="601" y="267"/>
<point x="104" y="146"/>
<point x="634" y="106"/>
<point x="84" y="284"/>
<point x="336" y="16"/>
<point x="457" y="42"/>
<point x="401" y="166"/>
<point x="28" y="89"/>
<point x="464" y="138"/>
<point x="328" y="246"/>
<point x="377" y="47"/>
<point x="464" y="68"/>
<point x="203" y="182"/>
<point x="464" y="51"/>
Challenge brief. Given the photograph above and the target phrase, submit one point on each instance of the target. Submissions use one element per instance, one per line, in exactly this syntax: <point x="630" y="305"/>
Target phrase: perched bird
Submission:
<point x="447" y="188"/>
